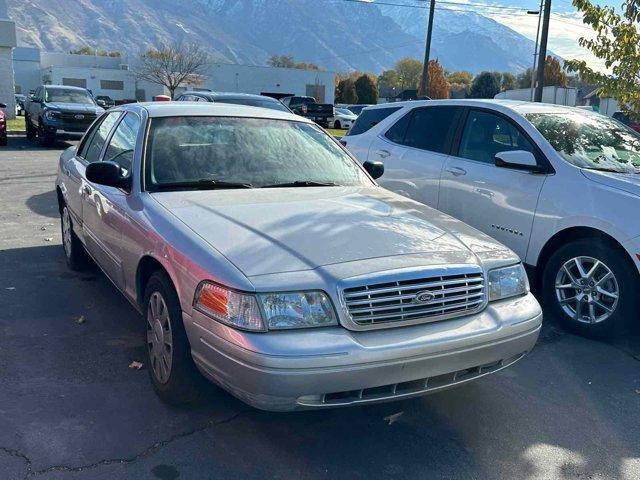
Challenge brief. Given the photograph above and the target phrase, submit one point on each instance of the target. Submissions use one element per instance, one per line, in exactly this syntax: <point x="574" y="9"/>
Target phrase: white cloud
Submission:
<point x="564" y="31"/>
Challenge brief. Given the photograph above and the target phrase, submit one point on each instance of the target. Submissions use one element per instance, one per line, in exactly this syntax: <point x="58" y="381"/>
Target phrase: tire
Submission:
<point x="3" y="141"/>
<point x="621" y="280"/>
<point x="30" y="129"/>
<point x="173" y="373"/>
<point x="45" y="139"/>
<point x="74" y="252"/>
<point x="336" y="125"/>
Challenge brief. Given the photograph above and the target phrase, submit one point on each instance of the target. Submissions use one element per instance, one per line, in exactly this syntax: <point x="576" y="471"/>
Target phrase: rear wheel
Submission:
<point x="589" y="286"/>
<point x="174" y="376"/>
<point x="337" y="125"/>
<point x="30" y="129"/>
<point x="74" y="252"/>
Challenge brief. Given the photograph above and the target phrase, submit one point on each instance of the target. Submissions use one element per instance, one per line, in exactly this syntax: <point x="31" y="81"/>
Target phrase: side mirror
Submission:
<point x="101" y="103"/>
<point x="106" y="173"/>
<point x="375" y="169"/>
<point x="518" y="160"/>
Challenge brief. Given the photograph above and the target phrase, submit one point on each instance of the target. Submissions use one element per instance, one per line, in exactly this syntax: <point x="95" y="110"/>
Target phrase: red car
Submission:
<point x="3" y="126"/>
<point x="622" y="117"/>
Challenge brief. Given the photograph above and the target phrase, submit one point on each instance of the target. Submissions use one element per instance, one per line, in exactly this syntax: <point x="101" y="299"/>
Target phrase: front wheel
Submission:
<point x="45" y="139"/>
<point x="336" y="125"/>
<point x="173" y="373"/>
<point x="589" y="286"/>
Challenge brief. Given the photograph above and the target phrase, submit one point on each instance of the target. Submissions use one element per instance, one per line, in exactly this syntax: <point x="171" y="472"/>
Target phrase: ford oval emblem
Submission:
<point x="424" y="296"/>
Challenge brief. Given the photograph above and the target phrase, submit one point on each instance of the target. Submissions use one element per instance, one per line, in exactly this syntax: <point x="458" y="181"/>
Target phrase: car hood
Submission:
<point x="75" y="107"/>
<point x="264" y="231"/>
<point x="627" y="182"/>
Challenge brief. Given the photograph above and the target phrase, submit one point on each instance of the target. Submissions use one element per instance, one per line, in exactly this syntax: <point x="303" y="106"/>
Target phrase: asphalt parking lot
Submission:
<point x="70" y="406"/>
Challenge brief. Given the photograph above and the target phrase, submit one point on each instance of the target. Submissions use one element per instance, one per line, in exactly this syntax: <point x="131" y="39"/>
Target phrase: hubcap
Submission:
<point x="159" y="337"/>
<point x="587" y="290"/>
<point x="66" y="232"/>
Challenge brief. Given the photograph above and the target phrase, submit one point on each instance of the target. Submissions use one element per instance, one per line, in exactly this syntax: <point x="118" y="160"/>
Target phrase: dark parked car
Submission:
<point x="309" y="108"/>
<point x="624" y="118"/>
<point x="57" y="111"/>
<point x="234" y="98"/>
<point x="3" y="126"/>
<point x="357" y="109"/>
<point x="105" y="101"/>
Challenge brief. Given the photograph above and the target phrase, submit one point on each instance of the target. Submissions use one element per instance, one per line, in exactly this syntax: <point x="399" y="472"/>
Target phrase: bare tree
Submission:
<point x="170" y="66"/>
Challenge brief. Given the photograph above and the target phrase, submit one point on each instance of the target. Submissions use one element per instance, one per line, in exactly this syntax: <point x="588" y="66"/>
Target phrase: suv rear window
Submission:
<point x="369" y="118"/>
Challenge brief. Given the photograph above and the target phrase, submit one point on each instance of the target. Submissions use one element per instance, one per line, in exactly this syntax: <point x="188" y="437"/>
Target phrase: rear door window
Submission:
<point x="431" y="128"/>
<point x="369" y="118"/>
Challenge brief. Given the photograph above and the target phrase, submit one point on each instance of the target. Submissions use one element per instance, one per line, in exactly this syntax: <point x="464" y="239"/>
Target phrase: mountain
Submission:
<point x="335" y="34"/>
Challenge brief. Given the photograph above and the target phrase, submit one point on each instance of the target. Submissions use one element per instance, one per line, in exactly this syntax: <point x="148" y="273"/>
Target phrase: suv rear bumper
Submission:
<point x="330" y="367"/>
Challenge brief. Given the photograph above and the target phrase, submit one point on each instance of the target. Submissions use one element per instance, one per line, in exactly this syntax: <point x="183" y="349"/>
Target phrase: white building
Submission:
<point x="112" y="76"/>
<point x="227" y="77"/>
<point x="7" y="42"/>
<point x="556" y="95"/>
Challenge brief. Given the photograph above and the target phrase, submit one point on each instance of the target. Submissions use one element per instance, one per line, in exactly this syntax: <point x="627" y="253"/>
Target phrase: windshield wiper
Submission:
<point x="202" y="184"/>
<point x="301" y="183"/>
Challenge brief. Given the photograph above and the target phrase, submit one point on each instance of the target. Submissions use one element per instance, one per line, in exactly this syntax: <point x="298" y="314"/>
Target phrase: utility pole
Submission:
<point x="542" y="56"/>
<point x="424" y="79"/>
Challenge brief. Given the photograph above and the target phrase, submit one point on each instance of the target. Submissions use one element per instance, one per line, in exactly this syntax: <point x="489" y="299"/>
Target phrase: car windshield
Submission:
<point x="203" y="152"/>
<point x="590" y="141"/>
<point x="63" y="95"/>
<point x="344" y="111"/>
<point x="255" y="102"/>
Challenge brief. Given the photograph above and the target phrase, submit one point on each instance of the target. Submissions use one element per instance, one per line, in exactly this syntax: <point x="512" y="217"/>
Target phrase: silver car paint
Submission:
<point x="293" y="239"/>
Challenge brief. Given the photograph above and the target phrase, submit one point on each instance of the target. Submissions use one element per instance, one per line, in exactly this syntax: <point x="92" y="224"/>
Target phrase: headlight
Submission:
<point x="507" y="282"/>
<point x="297" y="310"/>
<point x="51" y="114"/>
<point x="273" y="311"/>
<point x="228" y="306"/>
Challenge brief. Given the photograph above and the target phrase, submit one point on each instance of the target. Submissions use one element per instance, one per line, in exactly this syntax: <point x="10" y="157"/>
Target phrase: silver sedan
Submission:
<point x="263" y="256"/>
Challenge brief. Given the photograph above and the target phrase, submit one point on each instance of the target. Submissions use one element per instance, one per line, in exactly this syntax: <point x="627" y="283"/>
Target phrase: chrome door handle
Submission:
<point x="456" y="171"/>
<point x="87" y="190"/>
<point x="383" y="153"/>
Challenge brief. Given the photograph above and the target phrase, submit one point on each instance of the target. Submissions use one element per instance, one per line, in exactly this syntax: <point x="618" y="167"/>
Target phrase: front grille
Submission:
<point x="83" y="123"/>
<point x="395" y="301"/>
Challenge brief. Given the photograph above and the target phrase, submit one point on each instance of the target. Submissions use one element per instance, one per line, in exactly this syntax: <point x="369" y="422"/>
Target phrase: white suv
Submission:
<point x="558" y="185"/>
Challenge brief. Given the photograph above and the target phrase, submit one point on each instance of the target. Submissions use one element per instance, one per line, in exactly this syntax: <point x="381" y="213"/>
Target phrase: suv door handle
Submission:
<point x="87" y="190"/>
<point x="383" y="153"/>
<point x="456" y="171"/>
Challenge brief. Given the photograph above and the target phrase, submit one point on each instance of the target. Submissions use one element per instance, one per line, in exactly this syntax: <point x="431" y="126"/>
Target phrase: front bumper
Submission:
<point x="330" y="367"/>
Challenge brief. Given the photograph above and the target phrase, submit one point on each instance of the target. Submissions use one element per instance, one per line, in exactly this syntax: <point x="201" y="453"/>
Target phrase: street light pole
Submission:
<point x="543" y="50"/>
<point x="535" y="49"/>
<point x="424" y="79"/>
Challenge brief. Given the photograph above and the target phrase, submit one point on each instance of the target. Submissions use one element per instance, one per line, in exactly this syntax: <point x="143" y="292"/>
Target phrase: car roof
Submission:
<point x="66" y="87"/>
<point x="172" y="109"/>
<point x="518" y="106"/>
<point x="231" y="95"/>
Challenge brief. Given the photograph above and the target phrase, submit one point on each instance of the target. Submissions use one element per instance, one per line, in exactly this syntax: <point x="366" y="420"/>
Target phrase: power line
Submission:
<point x="457" y="4"/>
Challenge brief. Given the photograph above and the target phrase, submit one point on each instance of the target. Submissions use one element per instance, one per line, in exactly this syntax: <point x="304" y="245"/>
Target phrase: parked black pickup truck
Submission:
<point x="57" y="111"/>
<point x="309" y="108"/>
